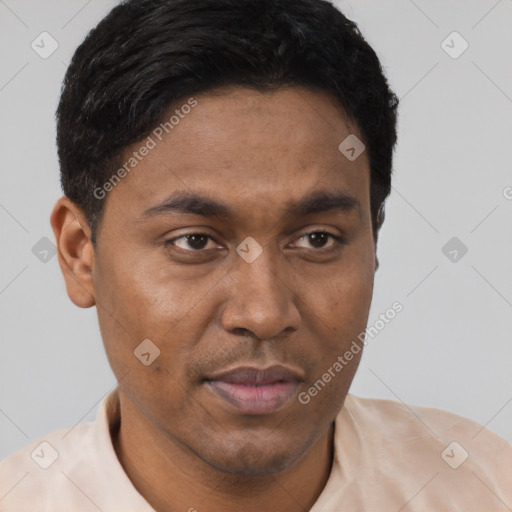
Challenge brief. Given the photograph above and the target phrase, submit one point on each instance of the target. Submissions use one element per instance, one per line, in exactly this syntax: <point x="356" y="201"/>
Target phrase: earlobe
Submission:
<point x="75" y="251"/>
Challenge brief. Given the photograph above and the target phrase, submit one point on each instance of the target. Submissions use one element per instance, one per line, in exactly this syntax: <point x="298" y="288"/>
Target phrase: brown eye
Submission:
<point x="320" y="239"/>
<point x="192" y="241"/>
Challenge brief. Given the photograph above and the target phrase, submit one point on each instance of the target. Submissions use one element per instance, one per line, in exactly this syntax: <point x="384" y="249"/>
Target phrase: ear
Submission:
<point x="75" y="251"/>
<point x="380" y="220"/>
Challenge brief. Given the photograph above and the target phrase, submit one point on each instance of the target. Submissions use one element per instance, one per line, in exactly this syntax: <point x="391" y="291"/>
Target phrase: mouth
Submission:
<point x="256" y="391"/>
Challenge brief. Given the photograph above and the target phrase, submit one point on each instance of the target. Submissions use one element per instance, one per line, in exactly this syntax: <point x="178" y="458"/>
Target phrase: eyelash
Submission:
<point x="339" y="241"/>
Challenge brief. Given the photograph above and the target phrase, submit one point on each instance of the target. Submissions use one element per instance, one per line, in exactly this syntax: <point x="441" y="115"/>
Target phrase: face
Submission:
<point x="243" y="240"/>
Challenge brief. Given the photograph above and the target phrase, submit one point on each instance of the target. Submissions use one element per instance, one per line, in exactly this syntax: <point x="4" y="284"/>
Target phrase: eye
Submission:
<point x="198" y="242"/>
<point x="191" y="241"/>
<point x="319" y="238"/>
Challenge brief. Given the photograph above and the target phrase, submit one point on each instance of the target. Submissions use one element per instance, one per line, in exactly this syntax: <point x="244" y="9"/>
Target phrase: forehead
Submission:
<point x="247" y="149"/>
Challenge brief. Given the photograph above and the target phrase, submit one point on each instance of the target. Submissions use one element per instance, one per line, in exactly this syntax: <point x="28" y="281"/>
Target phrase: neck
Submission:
<point x="172" y="478"/>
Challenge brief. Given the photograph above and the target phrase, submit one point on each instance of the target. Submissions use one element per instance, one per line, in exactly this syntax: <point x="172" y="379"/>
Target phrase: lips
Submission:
<point x="256" y="391"/>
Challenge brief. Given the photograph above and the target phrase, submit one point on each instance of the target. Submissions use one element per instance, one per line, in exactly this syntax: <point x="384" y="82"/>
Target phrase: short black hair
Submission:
<point x="147" y="55"/>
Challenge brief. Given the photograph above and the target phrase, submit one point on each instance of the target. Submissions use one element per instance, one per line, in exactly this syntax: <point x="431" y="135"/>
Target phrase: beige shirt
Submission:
<point x="389" y="457"/>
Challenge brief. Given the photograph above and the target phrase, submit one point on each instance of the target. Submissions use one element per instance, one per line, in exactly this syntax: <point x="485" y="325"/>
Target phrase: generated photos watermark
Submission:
<point x="343" y="360"/>
<point x="150" y="143"/>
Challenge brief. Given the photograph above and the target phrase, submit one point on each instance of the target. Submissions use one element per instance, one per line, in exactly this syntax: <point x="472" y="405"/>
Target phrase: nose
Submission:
<point x="260" y="300"/>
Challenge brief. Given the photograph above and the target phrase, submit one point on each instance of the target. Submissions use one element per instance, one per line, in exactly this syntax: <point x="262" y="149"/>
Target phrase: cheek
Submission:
<point x="144" y="302"/>
<point x="141" y="295"/>
<point x="343" y="298"/>
<point x="340" y="316"/>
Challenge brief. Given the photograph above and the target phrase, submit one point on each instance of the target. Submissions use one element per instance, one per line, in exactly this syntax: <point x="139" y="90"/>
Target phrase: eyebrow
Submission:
<point x="315" y="202"/>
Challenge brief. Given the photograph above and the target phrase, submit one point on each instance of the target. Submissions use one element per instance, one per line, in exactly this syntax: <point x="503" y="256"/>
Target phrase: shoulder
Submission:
<point x="396" y="420"/>
<point x="456" y="455"/>
<point x="73" y="469"/>
<point x="31" y="476"/>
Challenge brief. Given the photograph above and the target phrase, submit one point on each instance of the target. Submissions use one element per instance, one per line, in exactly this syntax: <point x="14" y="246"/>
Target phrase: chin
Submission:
<point x="252" y="459"/>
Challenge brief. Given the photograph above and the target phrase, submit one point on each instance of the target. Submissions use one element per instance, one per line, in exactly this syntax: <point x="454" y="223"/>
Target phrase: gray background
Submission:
<point x="450" y="347"/>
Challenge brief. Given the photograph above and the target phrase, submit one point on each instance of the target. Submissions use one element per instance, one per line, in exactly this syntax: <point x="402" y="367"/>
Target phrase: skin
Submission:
<point x="299" y="304"/>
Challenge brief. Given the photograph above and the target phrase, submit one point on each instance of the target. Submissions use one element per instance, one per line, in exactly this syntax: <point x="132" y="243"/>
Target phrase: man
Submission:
<point x="225" y="165"/>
